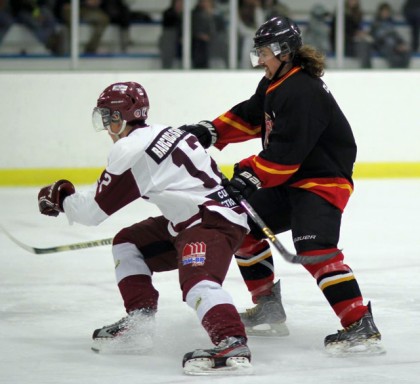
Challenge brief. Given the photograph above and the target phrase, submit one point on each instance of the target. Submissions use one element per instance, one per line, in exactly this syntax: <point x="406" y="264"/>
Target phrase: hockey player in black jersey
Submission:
<point x="300" y="181"/>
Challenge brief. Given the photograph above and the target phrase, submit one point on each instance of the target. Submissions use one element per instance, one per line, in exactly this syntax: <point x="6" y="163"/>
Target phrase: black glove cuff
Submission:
<point x="211" y="131"/>
<point x="204" y="131"/>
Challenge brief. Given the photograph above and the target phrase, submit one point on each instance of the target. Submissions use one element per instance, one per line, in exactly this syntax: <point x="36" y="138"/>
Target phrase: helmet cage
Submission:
<point x="102" y="118"/>
<point x="276" y="47"/>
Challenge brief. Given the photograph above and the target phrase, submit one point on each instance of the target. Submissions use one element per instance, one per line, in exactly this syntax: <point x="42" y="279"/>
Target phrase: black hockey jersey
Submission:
<point x="307" y="141"/>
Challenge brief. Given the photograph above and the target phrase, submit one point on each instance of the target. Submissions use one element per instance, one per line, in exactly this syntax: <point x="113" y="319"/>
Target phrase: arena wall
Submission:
<point x="47" y="131"/>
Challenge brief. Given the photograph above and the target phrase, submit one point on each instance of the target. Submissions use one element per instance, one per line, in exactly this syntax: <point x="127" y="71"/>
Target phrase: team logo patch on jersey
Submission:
<point x="194" y="254"/>
<point x="268" y="128"/>
<point x="165" y="143"/>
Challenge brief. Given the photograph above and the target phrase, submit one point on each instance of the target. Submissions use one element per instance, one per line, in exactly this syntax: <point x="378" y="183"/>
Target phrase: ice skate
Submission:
<point x="230" y="357"/>
<point x="268" y="317"/>
<point x="360" y="338"/>
<point x="132" y="334"/>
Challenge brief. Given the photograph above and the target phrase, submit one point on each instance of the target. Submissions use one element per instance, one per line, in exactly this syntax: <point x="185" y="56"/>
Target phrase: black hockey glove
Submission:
<point x="243" y="183"/>
<point x="51" y="197"/>
<point x="204" y="131"/>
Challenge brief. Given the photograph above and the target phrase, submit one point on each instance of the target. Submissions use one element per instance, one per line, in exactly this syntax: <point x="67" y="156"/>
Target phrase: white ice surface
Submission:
<point x="50" y="304"/>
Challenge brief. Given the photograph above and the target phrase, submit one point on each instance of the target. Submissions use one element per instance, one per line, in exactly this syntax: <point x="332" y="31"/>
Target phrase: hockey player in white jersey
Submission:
<point x="200" y="229"/>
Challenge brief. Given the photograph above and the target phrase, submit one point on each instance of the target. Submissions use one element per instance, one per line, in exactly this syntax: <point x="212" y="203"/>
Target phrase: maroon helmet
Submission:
<point x="126" y="101"/>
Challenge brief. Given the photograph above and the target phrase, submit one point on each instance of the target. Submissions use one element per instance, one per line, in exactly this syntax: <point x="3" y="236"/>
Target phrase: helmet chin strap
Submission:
<point x="282" y="65"/>
<point x="123" y="125"/>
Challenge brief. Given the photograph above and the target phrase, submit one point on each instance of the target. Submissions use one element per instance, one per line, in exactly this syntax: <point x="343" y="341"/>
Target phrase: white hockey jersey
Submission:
<point x="165" y="166"/>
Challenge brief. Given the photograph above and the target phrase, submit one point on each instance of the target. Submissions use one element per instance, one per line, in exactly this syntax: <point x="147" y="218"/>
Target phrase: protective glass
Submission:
<point x="260" y="55"/>
<point x="101" y="119"/>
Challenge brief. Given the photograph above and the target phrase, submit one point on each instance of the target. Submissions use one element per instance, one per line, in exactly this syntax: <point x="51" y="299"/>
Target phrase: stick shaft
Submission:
<point x="290" y="257"/>
<point x="59" y="248"/>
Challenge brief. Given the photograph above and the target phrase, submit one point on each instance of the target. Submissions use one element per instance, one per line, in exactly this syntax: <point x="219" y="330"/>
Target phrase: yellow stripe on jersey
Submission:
<point x="280" y="81"/>
<point x="239" y="126"/>
<point x="274" y="171"/>
<point x="333" y="185"/>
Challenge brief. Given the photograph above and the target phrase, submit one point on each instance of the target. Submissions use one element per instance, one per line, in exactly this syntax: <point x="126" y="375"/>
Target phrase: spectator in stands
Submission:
<point x="6" y="18"/>
<point x="357" y="42"/>
<point x="170" y="42"/>
<point x="387" y="41"/>
<point x="251" y="16"/>
<point x="37" y="16"/>
<point x="318" y="31"/>
<point x="90" y="13"/>
<point x="206" y="25"/>
<point x="411" y="11"/>
<point x="120" y="14"/>
<point x="273" y="8"/>
<point x="219" y="42"/>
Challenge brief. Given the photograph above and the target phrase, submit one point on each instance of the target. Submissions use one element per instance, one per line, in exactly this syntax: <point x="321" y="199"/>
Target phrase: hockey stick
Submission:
<point x="290" y="257"/>
<point x="59" y="248"/>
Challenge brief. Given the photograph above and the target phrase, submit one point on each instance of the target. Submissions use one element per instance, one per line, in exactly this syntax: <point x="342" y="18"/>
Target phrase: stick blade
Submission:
<point x="17" y="242"/>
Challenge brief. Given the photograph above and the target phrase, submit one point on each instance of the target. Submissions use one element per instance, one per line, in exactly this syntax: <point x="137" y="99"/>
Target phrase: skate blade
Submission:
<point x="268" y="330"/>
<point x="365" y="348"/>
<point x="235" y="366"/>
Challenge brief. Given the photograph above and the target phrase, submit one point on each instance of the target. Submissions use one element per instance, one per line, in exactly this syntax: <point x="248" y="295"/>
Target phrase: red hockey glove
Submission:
<point x="243" y="183"/>
<point x="51" y="197"/>
<point x="204" y="131"/>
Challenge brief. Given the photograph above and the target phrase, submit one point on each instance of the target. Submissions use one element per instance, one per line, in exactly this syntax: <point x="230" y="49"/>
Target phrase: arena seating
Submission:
<point x="19" y="43"/>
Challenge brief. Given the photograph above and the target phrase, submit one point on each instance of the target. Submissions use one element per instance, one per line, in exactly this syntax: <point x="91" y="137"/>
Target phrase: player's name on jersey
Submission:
<point x="164" y="143"/>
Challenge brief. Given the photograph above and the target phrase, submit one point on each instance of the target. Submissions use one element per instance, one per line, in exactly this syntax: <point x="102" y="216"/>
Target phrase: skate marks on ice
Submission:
<point x="50" y="305"/>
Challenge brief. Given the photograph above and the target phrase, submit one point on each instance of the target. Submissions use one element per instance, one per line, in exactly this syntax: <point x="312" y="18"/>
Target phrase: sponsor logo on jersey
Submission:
<point x="164" y="144"/>
<point x="222" y="197"/>
<point x="194" y="254"/>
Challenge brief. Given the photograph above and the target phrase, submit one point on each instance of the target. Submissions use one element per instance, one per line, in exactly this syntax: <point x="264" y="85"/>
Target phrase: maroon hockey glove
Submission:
<point x="51" y="197"/>
<point x="243" y="183"/>
<point x="204" y="131"/>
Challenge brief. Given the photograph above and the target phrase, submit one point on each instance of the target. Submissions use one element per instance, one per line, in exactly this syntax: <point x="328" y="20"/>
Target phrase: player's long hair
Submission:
<point x="311" y="60"/>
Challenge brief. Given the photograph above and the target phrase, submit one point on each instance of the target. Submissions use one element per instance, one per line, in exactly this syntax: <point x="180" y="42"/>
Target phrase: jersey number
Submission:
<point x="180" y="159"/>
<point x="105" y="181"/>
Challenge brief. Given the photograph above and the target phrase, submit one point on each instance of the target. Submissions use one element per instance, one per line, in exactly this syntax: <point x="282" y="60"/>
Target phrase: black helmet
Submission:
<point x="281" y="30"/>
